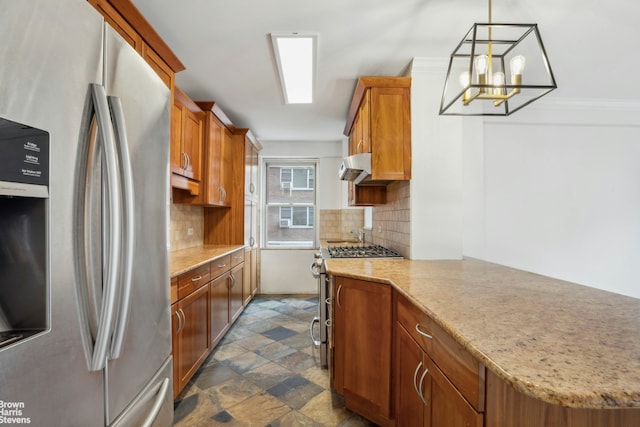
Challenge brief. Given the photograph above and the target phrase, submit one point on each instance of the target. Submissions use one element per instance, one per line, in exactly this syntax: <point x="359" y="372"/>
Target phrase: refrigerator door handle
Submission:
<point x="128" y="226"/>
<point x="157" y="405"/>
<point x="96" y="333"/>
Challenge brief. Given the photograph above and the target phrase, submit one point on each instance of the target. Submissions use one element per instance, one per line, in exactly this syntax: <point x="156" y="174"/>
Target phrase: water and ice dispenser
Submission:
<point x="24" y="194"/>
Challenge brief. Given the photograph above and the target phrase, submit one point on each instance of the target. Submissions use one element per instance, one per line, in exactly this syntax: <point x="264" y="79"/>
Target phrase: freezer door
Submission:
<point x="51" y="51"/>
<point x="153" y="407"/>
<point x="145" y="103"/>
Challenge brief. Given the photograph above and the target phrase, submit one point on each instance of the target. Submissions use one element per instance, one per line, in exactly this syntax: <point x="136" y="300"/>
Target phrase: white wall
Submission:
<point x="562" y="193"/>
<point x="436" y="169"/>
<point x="553" y="189"/>
<point x="286" y="271"/>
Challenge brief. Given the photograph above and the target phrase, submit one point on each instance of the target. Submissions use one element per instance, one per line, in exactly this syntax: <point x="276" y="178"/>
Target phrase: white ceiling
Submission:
<point x="592" y="47"/>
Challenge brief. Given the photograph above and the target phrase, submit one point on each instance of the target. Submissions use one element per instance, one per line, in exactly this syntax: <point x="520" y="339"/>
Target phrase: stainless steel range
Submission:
<point x="319" y="271"/>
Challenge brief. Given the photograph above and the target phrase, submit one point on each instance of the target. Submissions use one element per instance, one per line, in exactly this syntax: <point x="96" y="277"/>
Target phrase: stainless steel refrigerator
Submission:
<point x="85" y="318"/>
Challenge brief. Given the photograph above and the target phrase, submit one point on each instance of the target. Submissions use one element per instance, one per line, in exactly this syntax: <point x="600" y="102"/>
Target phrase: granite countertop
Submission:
<point x="184" y="260"/>
<point x="553" y="340"/>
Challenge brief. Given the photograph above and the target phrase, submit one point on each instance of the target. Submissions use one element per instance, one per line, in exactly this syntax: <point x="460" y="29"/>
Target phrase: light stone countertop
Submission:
<point x="184" y="260"/>
<point x="553" y="340"/>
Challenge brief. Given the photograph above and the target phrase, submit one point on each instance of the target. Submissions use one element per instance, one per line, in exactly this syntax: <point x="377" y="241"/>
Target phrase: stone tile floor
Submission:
<point x="266" y="373"/>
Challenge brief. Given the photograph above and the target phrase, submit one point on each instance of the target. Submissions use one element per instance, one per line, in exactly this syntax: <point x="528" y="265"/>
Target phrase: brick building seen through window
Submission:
<point x="290" y="203"/>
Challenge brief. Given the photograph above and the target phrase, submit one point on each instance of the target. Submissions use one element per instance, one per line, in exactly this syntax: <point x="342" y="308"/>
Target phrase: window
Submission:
<point x="297" y="178"/>
<point x="290" y="197"/>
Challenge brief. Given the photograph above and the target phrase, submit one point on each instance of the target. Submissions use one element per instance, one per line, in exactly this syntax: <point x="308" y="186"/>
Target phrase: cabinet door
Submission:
<point x="445" y="404"/>
<point x="246" y="283"/>
<point x="390" y="133"/>
<point x="176" y="137"/>
<point x="236" y="284"/>
<point x="255" y="268"/>
<point x="211" y="169"/>
<point x="176" y="325"/>
<point x="364" y="124"/>
<point x="410" y="377"/>
<point x="192" y="143"/>
<point x="219" y="289"/>
<point x="363" y="346"/>
<point x="226" y="167"/>
<point x="193" y="337"/>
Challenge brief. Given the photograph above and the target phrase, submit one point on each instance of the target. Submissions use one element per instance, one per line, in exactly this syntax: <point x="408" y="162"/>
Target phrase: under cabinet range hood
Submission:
<point x="355" y="168"/>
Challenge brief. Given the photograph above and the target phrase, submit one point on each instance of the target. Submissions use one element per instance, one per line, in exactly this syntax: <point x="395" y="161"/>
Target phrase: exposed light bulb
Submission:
<point x="481" y="63"/>
<point x="517" y="65"/>
<point x="464" y="79"/>
<point x="498" y="80"/>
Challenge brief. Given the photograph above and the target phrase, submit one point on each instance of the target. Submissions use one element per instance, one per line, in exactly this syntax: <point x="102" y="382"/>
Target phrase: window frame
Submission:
<point x="312" y="185"/>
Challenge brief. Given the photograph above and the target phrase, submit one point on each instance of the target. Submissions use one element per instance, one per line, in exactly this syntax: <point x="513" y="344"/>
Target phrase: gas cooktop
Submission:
<point x="368" y="251"/>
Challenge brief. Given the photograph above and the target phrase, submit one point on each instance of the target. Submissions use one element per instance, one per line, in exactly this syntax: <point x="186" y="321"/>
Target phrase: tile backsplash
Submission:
<point x="187" y="226"/>
<point x="337" y="224"/>
<point x="392" y="221"/>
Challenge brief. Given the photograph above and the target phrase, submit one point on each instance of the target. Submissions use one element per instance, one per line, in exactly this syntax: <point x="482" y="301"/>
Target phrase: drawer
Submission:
<point x="237" y="257"/>
<point x="220" y="265"/>
<point x="174" y="289"/>
<point x="192" y="280"/>
<point x="457" y="364"/>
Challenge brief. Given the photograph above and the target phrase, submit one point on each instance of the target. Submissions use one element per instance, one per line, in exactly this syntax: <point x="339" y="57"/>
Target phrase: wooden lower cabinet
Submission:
<point x="236" y="280"/>
<point x="220" y="323"/>
<point x="202" y="316"/>
<point x="191" y="335"/>
<point x="424" y="395"/>
<point x="362" y="347"/>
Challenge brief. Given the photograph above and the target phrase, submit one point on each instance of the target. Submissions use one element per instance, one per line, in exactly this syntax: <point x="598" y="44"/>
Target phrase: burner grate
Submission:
<point x="370" y="251"/>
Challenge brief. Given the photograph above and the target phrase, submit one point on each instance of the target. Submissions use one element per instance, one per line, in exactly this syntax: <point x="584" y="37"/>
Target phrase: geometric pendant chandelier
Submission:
<point x="496" y="70"/>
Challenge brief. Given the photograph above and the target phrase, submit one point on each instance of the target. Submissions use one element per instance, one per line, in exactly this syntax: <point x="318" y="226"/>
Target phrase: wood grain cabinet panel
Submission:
<point x="379" y="122"/>
<point x="187" y="133"/>
<point x="362" y="347"/>
<point x="192" y="338"/>
<point x="220" y="322"/>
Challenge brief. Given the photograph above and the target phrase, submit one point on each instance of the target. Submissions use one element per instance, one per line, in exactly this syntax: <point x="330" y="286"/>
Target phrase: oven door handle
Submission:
<point x="313" y="339"/>
<point x="315" y="270"/>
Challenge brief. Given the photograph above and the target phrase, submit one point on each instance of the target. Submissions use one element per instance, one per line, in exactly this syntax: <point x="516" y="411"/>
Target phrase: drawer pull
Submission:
<point x="424" y="334"/>
<point x="222" y="265"/>
<point x="237" y="257"/>
<point x="195" y="279"/>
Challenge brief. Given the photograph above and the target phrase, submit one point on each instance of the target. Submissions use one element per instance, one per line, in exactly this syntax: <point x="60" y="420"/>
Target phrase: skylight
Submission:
<point x="296" y="57"/>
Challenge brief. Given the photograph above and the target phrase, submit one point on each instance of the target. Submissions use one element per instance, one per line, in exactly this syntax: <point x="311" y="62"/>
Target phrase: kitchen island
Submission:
<point x="555" y="342"/>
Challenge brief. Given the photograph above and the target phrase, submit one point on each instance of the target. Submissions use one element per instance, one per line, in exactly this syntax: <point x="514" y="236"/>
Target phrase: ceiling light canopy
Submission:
<point x="295" y="55"/>
<point x="487" y="74"/>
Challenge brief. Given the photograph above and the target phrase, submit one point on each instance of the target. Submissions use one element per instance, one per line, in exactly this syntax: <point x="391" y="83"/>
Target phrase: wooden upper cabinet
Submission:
<point x="252" y="149"/>
<point x="187" y="133"/>
<point x="379" y="123"/>
<point x="125" y="18"/>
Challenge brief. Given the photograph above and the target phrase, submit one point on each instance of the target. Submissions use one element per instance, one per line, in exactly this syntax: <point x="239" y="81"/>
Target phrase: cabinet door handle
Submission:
<point x="181" y="321"/>
<point x="415" y="381"/>
<point x="424" y="374"/>
<point x="233" y="280"/>
<point x="252" y="241"/>
<point x="188" y="160"/>
<point x="252" y="188"/>
<point x="338" y="296"/>
<point x="195" y="279"/>
<point x="183" y="160"/>
<point x="360" y="143"/>
<point x="424" y="334"/>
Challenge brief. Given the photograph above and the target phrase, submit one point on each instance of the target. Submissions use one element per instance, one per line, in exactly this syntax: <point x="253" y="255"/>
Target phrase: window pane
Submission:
<point x="289" y="203"/>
